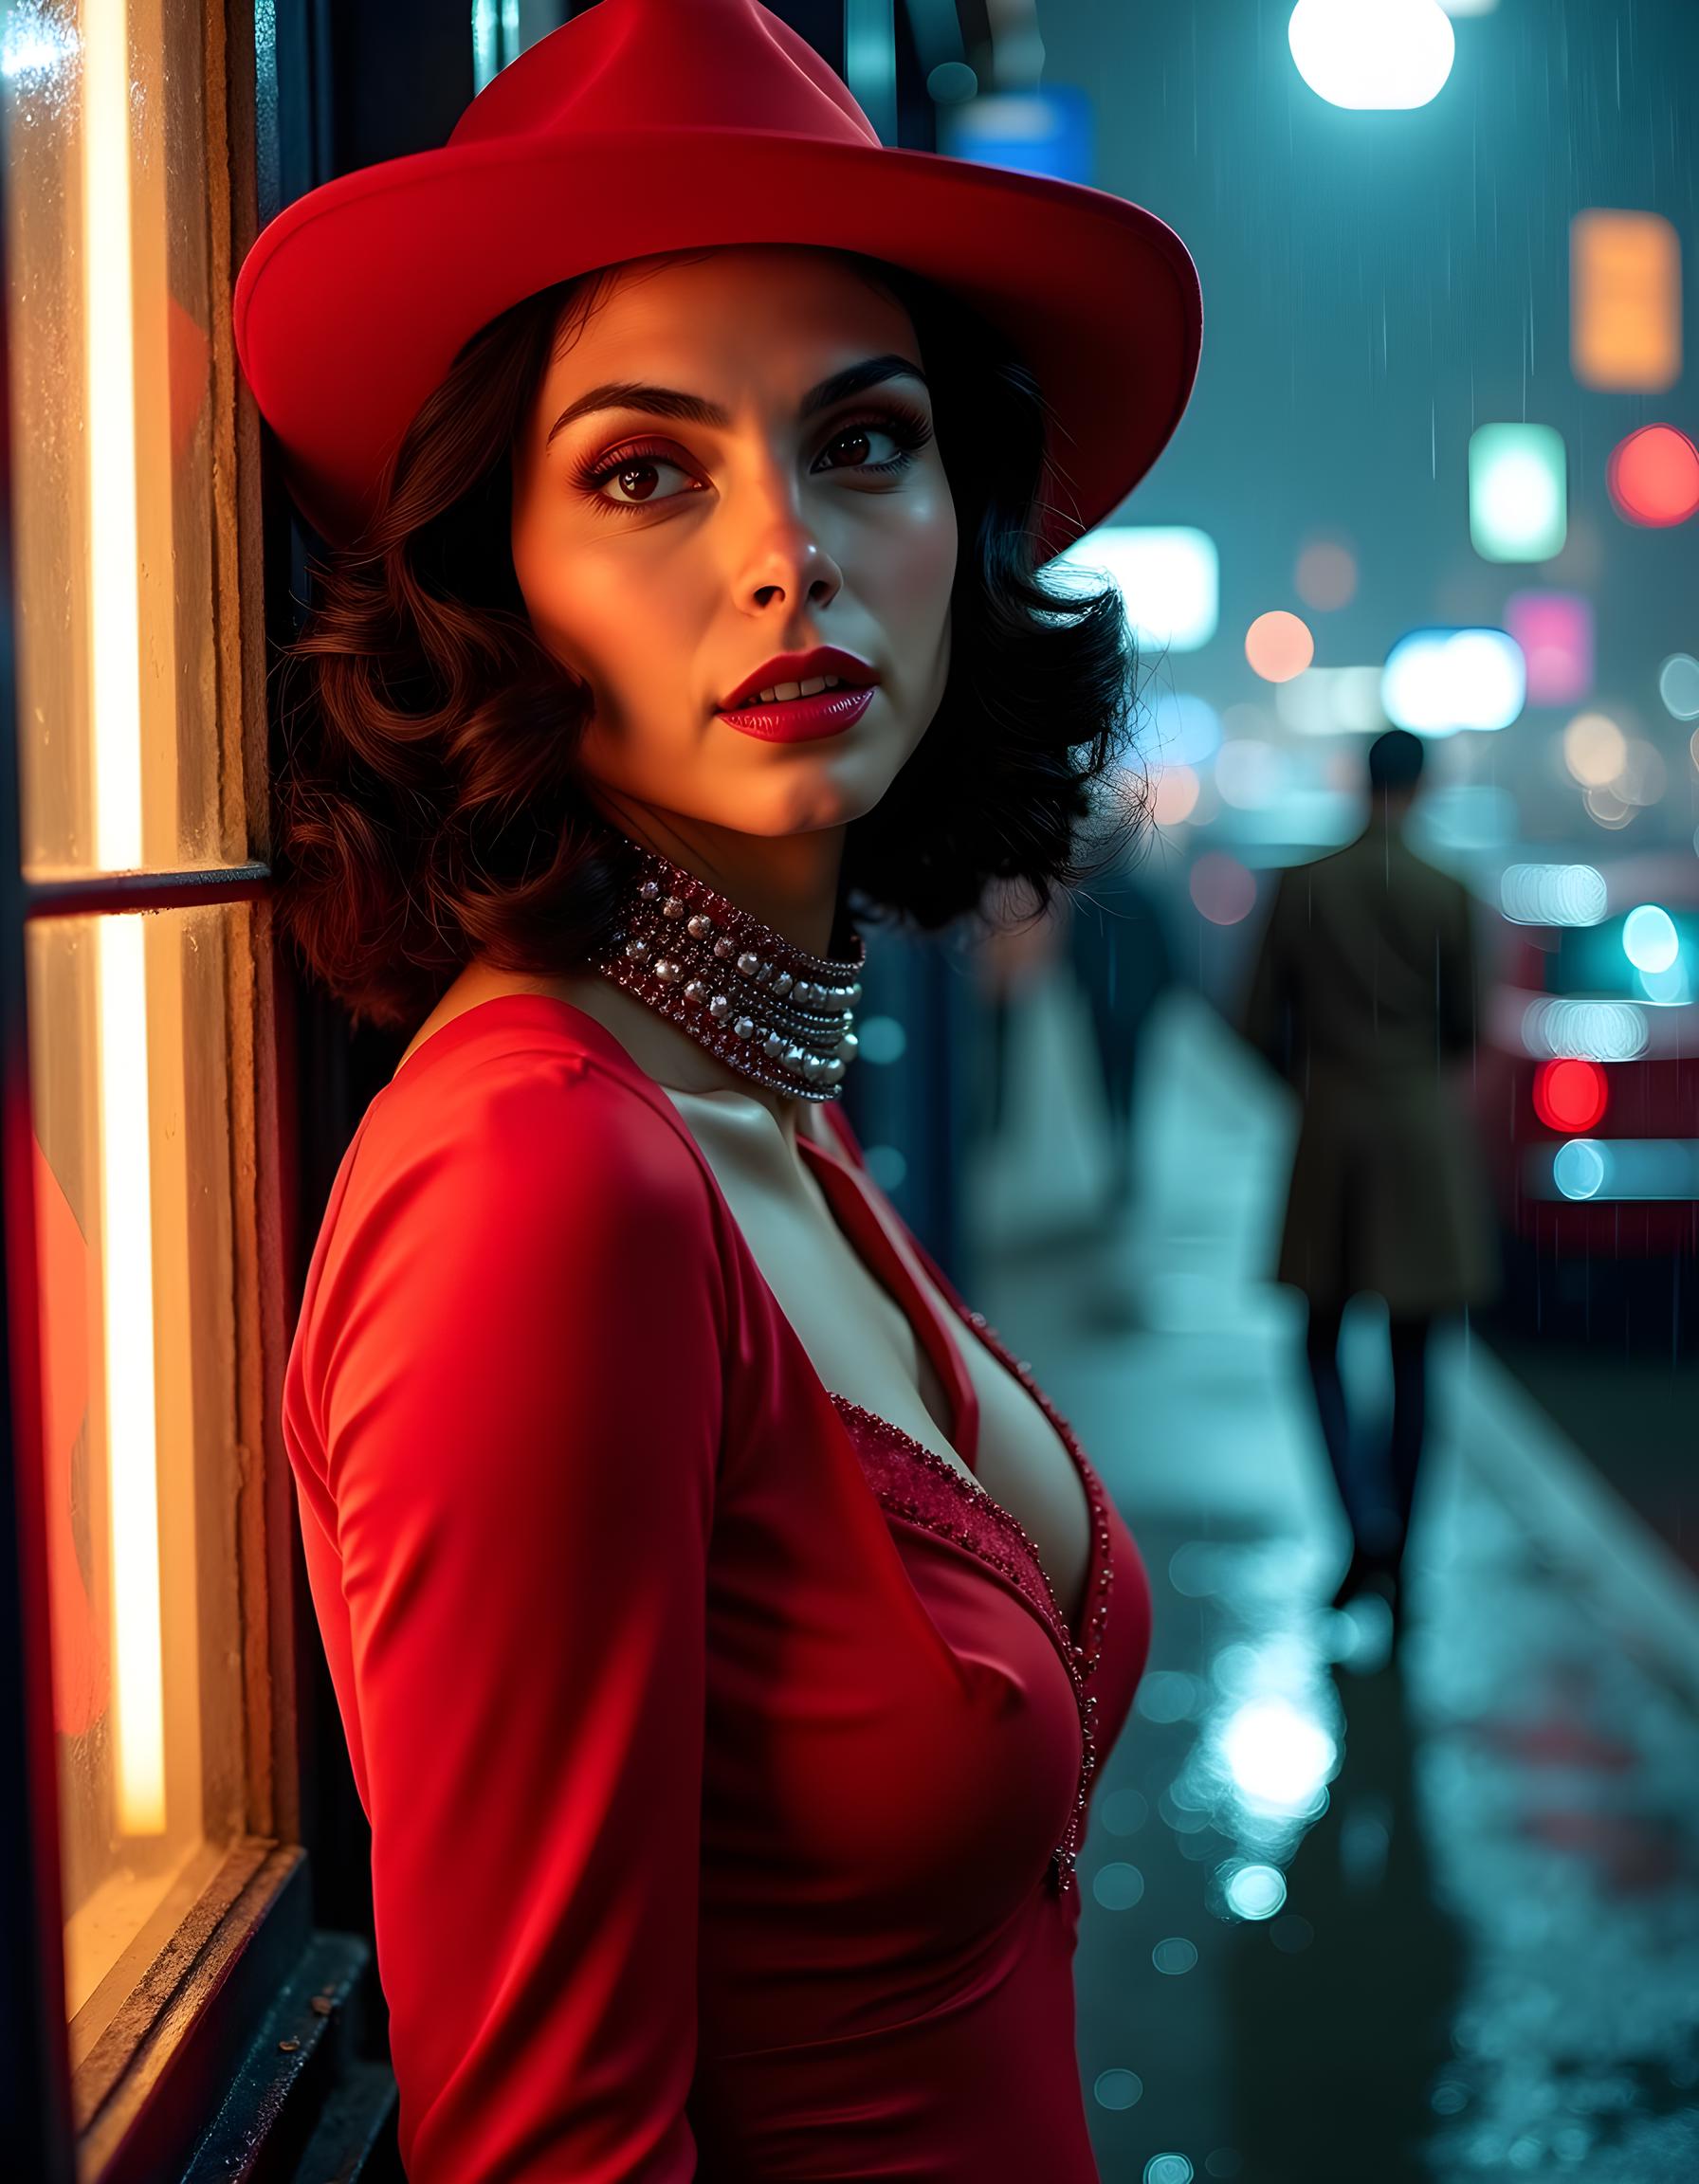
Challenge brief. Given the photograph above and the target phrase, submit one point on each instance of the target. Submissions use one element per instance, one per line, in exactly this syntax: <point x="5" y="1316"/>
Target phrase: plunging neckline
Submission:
<point x="993" y="1541"/>
<point x="886" y="1254"/>
<point x="868" y="1233"/>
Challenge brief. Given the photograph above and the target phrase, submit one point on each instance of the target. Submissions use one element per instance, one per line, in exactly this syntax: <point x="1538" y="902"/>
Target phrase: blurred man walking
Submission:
<point x="1363" y="997"/>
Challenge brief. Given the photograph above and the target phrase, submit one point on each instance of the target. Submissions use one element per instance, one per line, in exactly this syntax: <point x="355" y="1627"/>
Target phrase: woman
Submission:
<point x="725" y="1628"/>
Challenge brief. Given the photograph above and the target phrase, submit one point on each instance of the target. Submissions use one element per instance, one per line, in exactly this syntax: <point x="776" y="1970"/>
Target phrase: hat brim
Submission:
<point x="351" y="304"/>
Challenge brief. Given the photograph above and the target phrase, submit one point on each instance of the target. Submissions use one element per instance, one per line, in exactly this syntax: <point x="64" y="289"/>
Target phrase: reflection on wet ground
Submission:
<point x="1354" y="1909"/>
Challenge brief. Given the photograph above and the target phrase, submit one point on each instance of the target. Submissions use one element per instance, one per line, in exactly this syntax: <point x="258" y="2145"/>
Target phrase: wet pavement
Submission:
<point x="1354" y="1911"/>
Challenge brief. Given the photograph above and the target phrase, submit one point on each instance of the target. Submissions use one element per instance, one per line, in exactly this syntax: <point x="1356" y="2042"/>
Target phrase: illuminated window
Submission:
<point x="139" y="695"/>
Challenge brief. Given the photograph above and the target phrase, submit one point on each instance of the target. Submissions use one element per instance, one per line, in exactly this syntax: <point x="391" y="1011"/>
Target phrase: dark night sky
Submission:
<point x="1376" y="284"/>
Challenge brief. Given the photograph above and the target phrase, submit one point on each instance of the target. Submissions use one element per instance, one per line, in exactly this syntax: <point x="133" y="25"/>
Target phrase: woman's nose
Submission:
<point x="788" y="555"/>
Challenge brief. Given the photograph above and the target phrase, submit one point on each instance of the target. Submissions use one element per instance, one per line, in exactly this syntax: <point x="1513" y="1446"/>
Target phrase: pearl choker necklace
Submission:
<point x="737" y="987"/>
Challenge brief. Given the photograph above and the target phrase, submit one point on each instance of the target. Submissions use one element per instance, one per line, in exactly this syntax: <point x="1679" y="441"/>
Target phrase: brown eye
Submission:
<point x="627" y="468"/>
<point x="904" y="429"/>
<point x="634" y="470"/>
<point x="858" y="435"/>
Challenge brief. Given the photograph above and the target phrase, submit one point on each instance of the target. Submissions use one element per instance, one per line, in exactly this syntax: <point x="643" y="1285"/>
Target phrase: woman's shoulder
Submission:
<point x="511" y="1158"/>
<point x="522" y="1096"/>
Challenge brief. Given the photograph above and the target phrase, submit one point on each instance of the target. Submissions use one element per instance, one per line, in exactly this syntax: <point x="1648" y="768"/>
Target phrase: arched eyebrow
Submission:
<point x="695" y="409"/>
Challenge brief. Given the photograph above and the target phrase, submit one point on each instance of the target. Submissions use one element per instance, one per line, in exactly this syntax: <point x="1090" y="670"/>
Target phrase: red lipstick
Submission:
<point x="799" y="720"/>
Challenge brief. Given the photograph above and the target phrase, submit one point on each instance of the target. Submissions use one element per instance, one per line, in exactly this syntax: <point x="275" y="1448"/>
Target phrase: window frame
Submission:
<point x="150" y="2088"/>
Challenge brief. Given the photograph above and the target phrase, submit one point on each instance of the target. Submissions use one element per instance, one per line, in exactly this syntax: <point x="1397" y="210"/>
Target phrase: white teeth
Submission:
<point x="780" y="691"/>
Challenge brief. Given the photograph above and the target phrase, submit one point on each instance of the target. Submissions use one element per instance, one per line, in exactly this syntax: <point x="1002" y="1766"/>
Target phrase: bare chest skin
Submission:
<point x="856" y="1336"/>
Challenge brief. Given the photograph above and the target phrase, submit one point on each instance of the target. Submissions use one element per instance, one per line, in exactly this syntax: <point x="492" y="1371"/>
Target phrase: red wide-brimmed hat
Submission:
<point x="643" y="126"/>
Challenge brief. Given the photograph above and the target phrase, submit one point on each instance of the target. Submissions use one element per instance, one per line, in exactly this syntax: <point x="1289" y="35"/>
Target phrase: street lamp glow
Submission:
<point x="1373" y="53"/>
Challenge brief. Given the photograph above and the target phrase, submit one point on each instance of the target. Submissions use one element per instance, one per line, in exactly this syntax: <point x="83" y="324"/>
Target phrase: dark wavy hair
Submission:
<point x="427" y="805"/>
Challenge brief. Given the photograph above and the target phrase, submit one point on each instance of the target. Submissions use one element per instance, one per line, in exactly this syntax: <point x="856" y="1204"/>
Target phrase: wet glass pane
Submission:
<point x="131" y="1112"/>
<point x="127" y="758"/>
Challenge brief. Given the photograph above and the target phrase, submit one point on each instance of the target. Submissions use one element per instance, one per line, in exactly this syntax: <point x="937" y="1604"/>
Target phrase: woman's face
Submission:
<point x="664" y="559"/>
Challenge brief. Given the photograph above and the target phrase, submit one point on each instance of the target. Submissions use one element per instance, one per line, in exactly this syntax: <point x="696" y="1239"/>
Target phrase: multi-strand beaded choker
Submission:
<point x="735" y="984"/>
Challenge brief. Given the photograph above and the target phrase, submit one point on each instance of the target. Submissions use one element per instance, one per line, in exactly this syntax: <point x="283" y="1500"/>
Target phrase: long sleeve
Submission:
<point x="523" y="1394"/>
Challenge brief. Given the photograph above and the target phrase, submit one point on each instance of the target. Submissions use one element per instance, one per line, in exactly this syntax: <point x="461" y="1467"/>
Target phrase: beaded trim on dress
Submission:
<point x="921" y="1487"/>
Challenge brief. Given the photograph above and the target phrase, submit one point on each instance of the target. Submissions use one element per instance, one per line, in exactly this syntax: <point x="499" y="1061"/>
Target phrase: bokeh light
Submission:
<point x="1620" y="1168"/>
<point x="1624" y="301"/>
<point x="1047" y="132"/>
<point x="1570" y="1096"/>
<point x="881" y="1040"/>
<point x="888" y="1165"/>
<point x="1555" y="632"/>
<point x="1670" y="987"/>
<point x="1253" y="1890"/>
<point x="1222" y="889"/>
<point x="1594" y="749"/>
<point x="1607" y="809"/>
<point x="1279" y="646"/>
<point x="1436" y="682"/>
<point x="1678" y="687"/>
<point x="1642" y="778"/>
<point x="1278" y="1755"/>
<point x="951" y="81"/>
<point x="1577" y="1168"/>
<point x="1518" y="494"/>
<point x="1392" y="56"/>
<point x="1583" y="1030"/>
<point x="1649" y="937"/>
<point x="1552" y="894"/>
<point x="1250" y="774"/>
<point x="1117" y="1887"/>
<point x="1185" y="728"/>
<point x="1174" y="794"/>
<point x="1654" y="476"/>
<point x="1169" y="577"/>
<point x="1325" y="577"/>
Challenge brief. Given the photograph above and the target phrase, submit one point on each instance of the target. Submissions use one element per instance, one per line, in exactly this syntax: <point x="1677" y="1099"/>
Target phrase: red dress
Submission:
<point x="723" y="1746"/>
